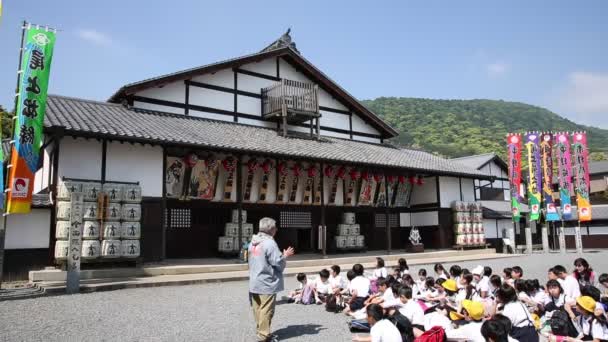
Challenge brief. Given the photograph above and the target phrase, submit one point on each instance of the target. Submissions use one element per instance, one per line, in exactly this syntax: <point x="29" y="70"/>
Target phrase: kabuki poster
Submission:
<point x="580" y="168"/>
<point x="534" y="174"/>
<point x="564" y="173"/>
<point x="31" y="107"/>
<point x="514" y="147"/>
<point x="546" y="150"/>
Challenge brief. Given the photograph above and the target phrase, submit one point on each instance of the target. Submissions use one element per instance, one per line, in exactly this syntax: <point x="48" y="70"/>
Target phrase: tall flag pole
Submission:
<point x="33" y="86"/>
<point x="564" y="173"/>
<point x="581" y="175"/>
<point x="534" y="174"/>
<point x="546" y="150"/>
<point x="514" y="150"/>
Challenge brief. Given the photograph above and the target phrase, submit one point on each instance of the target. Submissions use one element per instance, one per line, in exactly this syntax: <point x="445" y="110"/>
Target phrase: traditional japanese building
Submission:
<point x="267" y="133"/>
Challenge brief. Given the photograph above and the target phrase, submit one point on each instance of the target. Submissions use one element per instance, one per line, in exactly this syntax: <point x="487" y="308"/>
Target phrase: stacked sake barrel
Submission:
<point x="349" y="233"/>
<point x="229" y="243"/>
<point x="477" y="230"/>
<point x="468" y="223"/>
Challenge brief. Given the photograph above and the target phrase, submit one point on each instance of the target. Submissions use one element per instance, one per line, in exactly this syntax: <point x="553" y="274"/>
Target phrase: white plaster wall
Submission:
<point x="359" y="125"/>
<point x="211" y="98"/>
<point x="600" y="230"/>
<point x="41" y="178"/>
<point x="80" y="158"/>
<point x="31" y="230"/>
<point x="253" y="84"/>
<point x="421" y="219"/>
<point x="289" y="72"/>
<point x="267" y="66"/>
<point x="174" y="92"/>
<point x="366" y="139"/>
<point x="468" y="190"/>
<point x="249" y="105"/>
<point x="491" y="230"/>
<point x="335" y="134"/>
<point x="425" y="193"/>
<point x="267" y="124"/>
<point x="335" y="120"/>
<point x="222" y="78"/>
<point x="450" y="191"/>
<point x="212" y="116"/>
<point x="326" y="100"/>
<point x="158" y="108"/>
<point x="136" y="163"/>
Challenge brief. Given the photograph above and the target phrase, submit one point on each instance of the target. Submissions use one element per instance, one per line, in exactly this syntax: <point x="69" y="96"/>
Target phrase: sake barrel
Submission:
<point x="130" y="230"/>
<point x="459" y="239"/>
<point x="110" y="248"/>
<point x="355" y="229"/>
<point x="113" y="212"/>
<point x="235" y="216"/>
<point x="459" y="228"/>
<point x="131" y="193"/>
<point x="478" y="217"/>
<point x="91" y="190"/>
<point x="348" y="218"/>
<point x="247" y="229"/>
<point x="340" y="242"/>
<point x="65" y="189"/>
<point x="481" y="238"/>
<point x="90" y="230"/>
<point x="351" y="241"/>
<point x="89" y="211"/>
<point x="225" y="244"/>
<point x="475" y="207"/>
<point x="111" y="230"/>
<point x="63" y="210"/>
<point x="113" y="191"/>
<point x="360" y="241"/>
<point x="130" y="248"/>
<point x="344" y="229"/>
<point x="458" y="206"/>
<point x="231" y="229"/>
<point x="90" y="249"/>
<point x="466" y="217"/>
<point x="61" y="250"/>
<point x="468" y="228"/>
<point x="131" y="212"/>
<point x="62" y="230"/>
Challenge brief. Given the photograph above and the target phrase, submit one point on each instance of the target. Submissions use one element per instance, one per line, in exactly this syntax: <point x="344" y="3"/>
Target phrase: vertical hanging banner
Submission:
<point x="31" y="106"/>
<point x="534" y="174"/>
<point x="514" y="151"/>
<point x="564" y="173"/>
<point x="580" y="169"/>
<point x="546" y="150"/>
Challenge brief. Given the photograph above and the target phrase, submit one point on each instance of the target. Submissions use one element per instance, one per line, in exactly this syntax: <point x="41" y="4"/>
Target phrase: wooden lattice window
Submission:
<point x="380" y="220"/>
<point x="179" y="218"/>
<point x="295" y="219"/>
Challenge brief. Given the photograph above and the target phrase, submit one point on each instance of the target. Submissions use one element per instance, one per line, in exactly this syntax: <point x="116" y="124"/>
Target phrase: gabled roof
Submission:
<point x="86" y="118"/>
<point x="286" y="52"/>
<point x="479" y="160"/>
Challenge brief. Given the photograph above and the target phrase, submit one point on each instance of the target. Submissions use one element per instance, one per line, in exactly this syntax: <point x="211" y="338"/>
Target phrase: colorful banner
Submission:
<point x="1" y="160"/>
<point x="31" y="106"/>
<point x="546" y="150"/>
<point x="514" y="150"/>
<point x="580" y="169"/>
<point x="534" y="174"/>
<point x="564" y="173"/>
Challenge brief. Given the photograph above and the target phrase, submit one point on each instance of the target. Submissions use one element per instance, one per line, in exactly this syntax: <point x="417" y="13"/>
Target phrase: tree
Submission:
<point x="597" y="156"/>
<point x="7" y="123"/>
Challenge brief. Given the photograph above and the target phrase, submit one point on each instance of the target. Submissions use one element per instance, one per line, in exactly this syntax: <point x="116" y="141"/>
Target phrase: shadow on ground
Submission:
<point x="298" y="330"/>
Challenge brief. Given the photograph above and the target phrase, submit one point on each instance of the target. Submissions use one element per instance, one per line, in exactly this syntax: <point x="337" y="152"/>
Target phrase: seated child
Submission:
<point x="322" y="287"/>
<point x="296" y="295"/>
<point x="335" y="279"/>
<point x="381" y="328"/>
<point x="359" y="289"/>
<point x="472" y="314"/>
<point x="411" y="309"/>
<point x="421" y="278"/>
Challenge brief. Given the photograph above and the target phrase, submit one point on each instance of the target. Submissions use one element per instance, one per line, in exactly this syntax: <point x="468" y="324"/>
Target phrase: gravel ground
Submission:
<point x="209" y="312"/>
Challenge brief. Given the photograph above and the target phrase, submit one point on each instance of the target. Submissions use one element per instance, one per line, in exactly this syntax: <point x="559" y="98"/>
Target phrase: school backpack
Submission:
<point x="403" y="325"/>
<point x="561" y="324"/>
<point x="435" y="334"/>
<point x="308" y="295"/>
<point x="359" y="326"/>
<point x="373" y="287"/>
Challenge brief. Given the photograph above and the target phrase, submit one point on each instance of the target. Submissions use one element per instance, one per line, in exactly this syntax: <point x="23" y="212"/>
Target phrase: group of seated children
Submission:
<point x="474" y="305"/>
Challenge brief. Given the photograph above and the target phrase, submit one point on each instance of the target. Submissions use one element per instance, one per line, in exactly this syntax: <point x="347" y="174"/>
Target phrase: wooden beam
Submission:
<point x="164" y="218"/>
<point x="323" y="230"/>
<point x="104" y="153"/>
<point x="187" y="97"/>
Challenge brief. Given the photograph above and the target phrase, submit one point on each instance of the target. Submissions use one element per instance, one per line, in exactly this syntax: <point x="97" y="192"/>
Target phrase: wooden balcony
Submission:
<point x="291" y="102"/>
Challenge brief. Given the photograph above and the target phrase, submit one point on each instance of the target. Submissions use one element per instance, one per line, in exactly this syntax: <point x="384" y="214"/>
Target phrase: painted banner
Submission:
<point x="534" y="174"/>
<point x="580" y="168"/>
<point x="1" y="160"/>
<point x="514" y="150"/>
<point x="31" y="106"/>
<point x="546" y="150"/>
<point x="564" y="173"/>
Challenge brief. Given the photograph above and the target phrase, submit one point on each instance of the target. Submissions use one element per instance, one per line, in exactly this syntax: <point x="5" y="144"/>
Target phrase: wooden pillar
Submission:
<point x="53" y="188"/>
<point x="239" y="198"/>
<point x="323" y="228"/>
<point x="318" y="128"/>
<point x="163" y="205"/>
<point x="388" y="220"/>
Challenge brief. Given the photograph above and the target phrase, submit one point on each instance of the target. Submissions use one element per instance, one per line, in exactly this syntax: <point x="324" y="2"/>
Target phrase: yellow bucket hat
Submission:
<point x="475" y="309"/>
<point x="450" y="285"/>
<point x="455" y="316"/>
<point x="586" y="303"/>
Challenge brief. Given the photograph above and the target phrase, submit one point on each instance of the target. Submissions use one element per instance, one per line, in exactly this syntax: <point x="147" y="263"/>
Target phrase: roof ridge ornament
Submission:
<point x="283" y="41"/>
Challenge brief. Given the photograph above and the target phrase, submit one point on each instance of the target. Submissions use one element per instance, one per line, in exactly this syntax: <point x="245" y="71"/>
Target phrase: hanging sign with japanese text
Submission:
<point x="546" y="150"/>
<point x="514" y="147"/>
<point x="534" y="174"/>
<point x="580" y="168"/>
<point x="31" y="106"/>
<point x="564" y="173"/>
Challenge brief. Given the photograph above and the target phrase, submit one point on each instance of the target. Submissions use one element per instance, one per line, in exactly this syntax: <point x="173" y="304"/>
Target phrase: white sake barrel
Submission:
<point x="90" y="230"/>
<point x="479" y="217"/>
<point x="482" y="230"/>
<point x="130" y="248"/>
<point x="351" y="241"/>
<point x="247" y="229"/>
<point x="344" y="229"/>
<point x="89" y="211"/>
<point x="90" y="249"/>
<point x="65" y="189"/>
<point x="131" y="193"/>
<point x="459" y="228"/>
<point x="235" y="216"/>
<point x="475" y="207"/>
<point x="111" y="248"/>
<point x="131" y="212"/>
<point x="91" y="191"/>
<point x="113" y="191"/>
<point x="130" y="230"/>
<point x="231" y="229"/>
<point x="465" y="239"/>
<point x="340" y="242"/>
<point x="111" y="230"/>
<point x="458" y="206"/>
<point x="225" y="244"/>
<point x="360" y="241"/>
<point x="63" y="210"/>
<point x="459" y="239"/>
<point x="481" y="238"/>
<point x="62" y="230"/>
<point x="61" y="250"/>
<point x="348" y="218"/>
<point x="467" y="228"/>
<point x="355" y="229"/>
<point x="466" y="217"/>
<point x="113" y="212"/>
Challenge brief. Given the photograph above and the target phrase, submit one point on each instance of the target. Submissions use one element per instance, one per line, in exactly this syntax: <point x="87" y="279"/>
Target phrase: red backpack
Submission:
<point x="435" y="334"/>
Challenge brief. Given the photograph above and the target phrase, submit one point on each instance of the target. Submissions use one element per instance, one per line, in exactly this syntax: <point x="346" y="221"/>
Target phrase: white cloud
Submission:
<point x="587" y="92"/>
<point x="95" y="37"/>
<point x="497" y="69"/>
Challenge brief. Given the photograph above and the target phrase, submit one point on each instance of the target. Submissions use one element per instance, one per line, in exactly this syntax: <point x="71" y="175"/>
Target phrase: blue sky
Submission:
<point x="547" y="53"/>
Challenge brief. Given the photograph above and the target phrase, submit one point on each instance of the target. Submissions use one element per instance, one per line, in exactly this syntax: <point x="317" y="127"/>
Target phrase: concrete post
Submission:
<point x="529" y="238"/>
<point x="511" y="236"/>
<point x="75" y="236"/>
<point x="562" y="239"/>
<point x="578" y="238"/>
<point x="545" y="238"/>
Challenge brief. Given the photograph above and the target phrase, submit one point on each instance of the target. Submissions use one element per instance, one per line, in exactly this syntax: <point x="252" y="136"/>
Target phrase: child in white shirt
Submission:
<point x="322" y="287"/>
<point x="380" y="271"/>
<point x="296" y="295"/>
<point x="335" y="279"/>
<point x="382" y="330"/>
<point x="410" y="308"/>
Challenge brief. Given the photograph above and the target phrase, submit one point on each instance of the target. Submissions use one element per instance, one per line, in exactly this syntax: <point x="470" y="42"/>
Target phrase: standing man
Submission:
<point x="266" y="265"/>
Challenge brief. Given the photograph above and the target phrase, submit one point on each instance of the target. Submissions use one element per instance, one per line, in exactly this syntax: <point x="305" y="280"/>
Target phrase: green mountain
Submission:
<point x="455" y="128"/>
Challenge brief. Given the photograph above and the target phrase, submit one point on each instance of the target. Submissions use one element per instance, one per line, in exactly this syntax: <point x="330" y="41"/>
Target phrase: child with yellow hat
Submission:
<point x="585" y="306"/>
<point x="472" y="313"/>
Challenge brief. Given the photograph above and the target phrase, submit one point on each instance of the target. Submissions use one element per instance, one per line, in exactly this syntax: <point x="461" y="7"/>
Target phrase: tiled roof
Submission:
<point x="90" y="118"/>
<point x="41" y="200"/>
<point x="475" y="161"/>
<point x="598" y="167"/>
